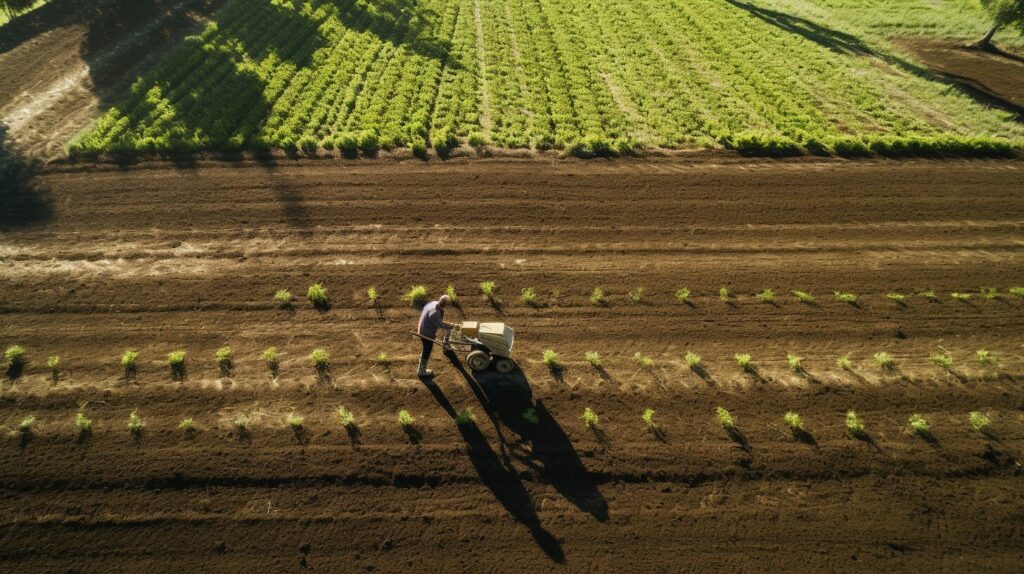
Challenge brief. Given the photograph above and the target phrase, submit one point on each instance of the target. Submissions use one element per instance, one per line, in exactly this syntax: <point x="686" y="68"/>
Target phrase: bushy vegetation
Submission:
<point x="283" y="297"/>
<point x="372" y="295"/>
<point x="766" y="296"/>
<point x="488" y="288"/>
<point x="321" y="359"/>
<point x="311" y="76"/>
<point x="590" y="418"/>
<point x="82" y="422"/>
<point x="724" y="418"/>
<point x="416" y="295"/>
<point x="187" y="425"/>
<point x="885" y="361"/>
<point x="648" y="418"/>
<point x="845" y="297"/>
<point x="692" y="359"/>
<point x="637" y="295"/>
<point x="269" y="356"/>
<point x="14" y="356"/>
<point x="129" y="360"/>
<point x="317" y="295"/>
<point x="550" y="358"/>
<point x="597" y="296"/>
<point x="643" y="360"/>
<point x="979" y="421"/>
<point x="224" y="358"/>
<point x="294" y="421"/>
<point x="405" y="419"/>
<point x="944" y="360"/>
<point x="854" y="425"/>
<point x="795" y="362"/>
<point x="744" y="361"/>
<point x="135" y="423"/>
<point x="383" y="359"/>
<point x="919" y="425"/>
<point x="529" y="297"/>
<point x="683" y="295"/>
<point x="984" y="357"/>
<point x="593" y="358"/>
<point x="803" y="296"/>
<point x="345" y="417"/>
<point x="844" y="363"/>
<point x="793" y="421"/>
<point x="465" y="417"/>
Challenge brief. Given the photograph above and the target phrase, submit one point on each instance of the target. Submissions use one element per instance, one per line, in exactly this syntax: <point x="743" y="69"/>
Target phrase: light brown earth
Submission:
<point x="156" y="257"/>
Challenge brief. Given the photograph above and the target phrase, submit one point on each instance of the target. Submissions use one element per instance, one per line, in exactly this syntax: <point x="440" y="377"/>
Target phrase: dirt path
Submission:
<point x="157" y="257"/>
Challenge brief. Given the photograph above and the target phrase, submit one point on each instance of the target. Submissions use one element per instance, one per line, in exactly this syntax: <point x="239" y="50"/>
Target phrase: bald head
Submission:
<point x="443" y="301"/>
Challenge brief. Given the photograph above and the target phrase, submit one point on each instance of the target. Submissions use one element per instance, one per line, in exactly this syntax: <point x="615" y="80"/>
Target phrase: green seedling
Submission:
<point x="530" y="416"/>
<point x="766" y="296"/>
<point x="637" y="295"/>
<point x="795" y="362"/>
<point x="129" y="360"/>
<point x="1016" y="292"/>
<point x="529" y="297"/>
<point x="648" y="418"/>
<point x="744" y="362"/>
<point x="984" y="357"/>
<point x="643" y="360"/>
<point x="723" y="294"/>
<point x="843" y="297"/>
<point x="82" y="422"/>
<point x="590" y="418"/>
<point x="416" y="295"/>
<point x="269" y="356"/>
<point x="283" y="297"/>
<point x="979" y="421"/>
<point x="488" y="288"/>
<point x="405" y="419"/>
<point x="844" y="363"/>
<point x="53" y="363"/>
<point x="550" y="358"/>
<point x="187" y="426"/>
<point x="241" y="421"/>
<point x="929" y="294"/>
<point x="26" y="424"/>
<point x="793" y="421"/>
<point x="317" y="295"/>
<point x="803" y="296"/>
<point x="597" y="296"/>
<point x="372" y="295"/>
<point x="692" y="359"/>
<point x="135" y="423"/>
<point x="944" y="360"/>
<point x="383" y="360"/>
<point x="885" y="360"/>
<point x="724" y="418"/>
<point x="176" y="359"/>
<point x="593" y="358"/>
<point x="321" y="359"/>
<point x="897" y="297"/>
<point x="683" y="295"/>
<point x="919" y="425"/>
<point x="465" y="417"/>
<point x="345" y="417"/>
<point x="294" y="421"/>
<point x="15" y="356"/>
<point x="960" y="296"/>
<point x="223" y="356"/>
<point x="452" y="295"/>
<point x="988" y="292"/>
<point x="854" y="425"/>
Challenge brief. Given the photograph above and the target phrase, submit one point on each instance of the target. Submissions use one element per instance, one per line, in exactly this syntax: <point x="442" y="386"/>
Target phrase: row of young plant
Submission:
<point x="417" y="295"/>
<point x="242" y="422"/>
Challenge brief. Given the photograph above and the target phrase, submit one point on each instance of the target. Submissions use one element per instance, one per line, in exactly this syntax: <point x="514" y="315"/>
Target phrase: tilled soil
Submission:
<point x="157" y="257"/>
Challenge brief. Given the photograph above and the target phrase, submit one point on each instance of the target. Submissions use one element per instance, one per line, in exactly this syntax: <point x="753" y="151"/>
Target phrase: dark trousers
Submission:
<point x="428" y="347"/>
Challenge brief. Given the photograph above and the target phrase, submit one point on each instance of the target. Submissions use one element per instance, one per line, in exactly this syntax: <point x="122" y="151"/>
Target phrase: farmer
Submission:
<point x="431" y="319"/>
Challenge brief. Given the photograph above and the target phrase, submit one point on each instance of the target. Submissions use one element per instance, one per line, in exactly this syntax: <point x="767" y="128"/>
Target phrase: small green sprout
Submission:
<point x="944" y="360"/>
<point x="648" y="418"/>
<point x="593" y="358"/>
<point x="241" y="421"/>
<point x="793" y="421"/>
<point x="529" y="297"/>
<point x="82" y="422"/>
<point x="550" y="358"/>
<point x="988" y="292"/>
<point x="53" y="363"/>
<point x="692" y="359"/>
<point x="26" y="424"/>
<point x="724" y="418"/>
<point x="465" y="417"/>
<point x="15" y="356"/>
<point x="283" y="297"/>
<point x="984" y="357"/>
<point x="744" y="362"/>
<point x="317" y="295"/>
<point x="844" y="363"/>
<point x="683" y="295"/>
<point x="488" y="288"/>
<point x="530" y="416"/>
<point x="854" y="425"/>
<point x="597" y="296"/>
<point x="405" y="419"/>
<point x="345" y="417"/>
<point x="416" y="295"/>
<point x="929" y="294"/>
<point x="320" y="358"/>
<point x="135" y="423"/>
<point x="383" y="360"/>
<point x="452" y="295"/>
<point x="129" y="359"/>
<point x="919" y="425"/>
<point x="723" y="294"/>
<point x="372" y="295"/>
<point x="269" y="356"/>
<point x="637" y="295"/>
<point x="294" y="421"/>
<point x="188" y="426"/>
<point x="960" y="296"/>
<point x="223" y="356"/>
<point x="843" y="297"/>
<point x="897" y="297"/>
<point x="795" y="362"/>
<point x="884" y="360"/>
<point x="980" y="421"/>
<point x="766" y="296"/>
<point x="1016" y="292"/>
<point x="643" y="360"/>
<point x="803" y="296"/>
<point x="176" y="359"/>
<point x="590" y="418"/>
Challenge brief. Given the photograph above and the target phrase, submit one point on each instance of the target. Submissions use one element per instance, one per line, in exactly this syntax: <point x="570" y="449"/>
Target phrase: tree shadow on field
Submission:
<point x="23" y="202"/>
<point x="402" y="23"/>
<point x="849" y="45"/>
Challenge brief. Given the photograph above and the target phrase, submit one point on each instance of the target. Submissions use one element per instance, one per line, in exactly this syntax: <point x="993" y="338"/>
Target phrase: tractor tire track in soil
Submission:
<point x="157" y="257"/>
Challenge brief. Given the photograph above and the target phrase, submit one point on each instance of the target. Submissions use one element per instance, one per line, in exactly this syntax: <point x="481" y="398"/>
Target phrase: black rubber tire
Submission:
<point x="504" y="366"/>
<point x="478" y="360"/>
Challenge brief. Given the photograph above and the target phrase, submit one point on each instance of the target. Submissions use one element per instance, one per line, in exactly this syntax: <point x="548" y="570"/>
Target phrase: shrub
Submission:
<point x="683" y="295"/>
<point x="477" y="140"/>
<point x="743" y="360"/>
<point x="26" y="424"/>
<point x="317" y="294"/>
<point x="597" y="296"/>
<point x="845" y="297"/>
<point x="854" y="425"/>
<point x="795" y="362"/>
<point x="369" y="143"/>
<point x="793" y="421"/>
<point x="241" y="421"/>
<point x="550" y="358"/>
<point x="648" y="418"/>
<point x="723" y="294"/>
<point x="766" y="296"/>
<point x="419" y="149"/>
<point x="383" y="360"/>
<point x="176" y="360"/>
<point x="885" y="360"/>
<point x="294" y="421"/>
<point x="643" y="360"/>
<point x="1016" y="292"/>
<point x="897" y="297"/>
<point x="724" y="418"/>
<point x="944" y="360"/>
<point x="844" y="363"/>
<point x="692" y="359"/>
<point x="345" y="417"/>
<point x="283" y="297"/>
<point x="984" y="357"/>
<point x="135" y="423"/>
<point x="590" y="418"/>
<point x="405" y="419"/>
<point x="465" y="417"/>
<point x="15" y="356"/>
<point x="928" y="294"/>
<point x="979" y="421"/>
<point x="803" y="296"/>
<point x="960" y="296"/>
<point x="450" y="292"/>
<point x="416" y="295"/>
<point x="269" y="356"/>
<point x="53" y="362"/>
<point x="919" y="425"/>
<point x="989" y="292"/>
<point x="487" y="288"/>
<point x="223" y="356"/>
<point x="129" y="359"/>
<point x="529" y="297"/>
<point x="637" y="295"/>
<point x="530" y="416"/>
<point x="82" y="422"/>
<point x="187" y="426"/>
<point x="321" y="359"/>
<point x="372" y="295"/>
<point x="593" y="358"/>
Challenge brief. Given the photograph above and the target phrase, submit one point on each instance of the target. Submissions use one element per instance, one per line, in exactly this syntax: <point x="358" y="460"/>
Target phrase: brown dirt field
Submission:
<point x="156" y="257"/>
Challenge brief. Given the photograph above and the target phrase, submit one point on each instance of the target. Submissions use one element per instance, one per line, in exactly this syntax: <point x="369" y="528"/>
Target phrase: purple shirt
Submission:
<point x="432" y="319"/>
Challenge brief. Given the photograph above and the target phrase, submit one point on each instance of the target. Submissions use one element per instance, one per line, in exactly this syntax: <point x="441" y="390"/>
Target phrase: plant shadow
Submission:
<point x="355" y="435"/>
<point x="739" y="438"/>
<point x="804" y="436"/>
<point x="412" y="433"/>
<point x="704" y="376"/>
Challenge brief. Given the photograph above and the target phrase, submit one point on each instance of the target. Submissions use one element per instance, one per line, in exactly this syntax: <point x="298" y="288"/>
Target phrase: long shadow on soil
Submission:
<point x="22" y="202"/>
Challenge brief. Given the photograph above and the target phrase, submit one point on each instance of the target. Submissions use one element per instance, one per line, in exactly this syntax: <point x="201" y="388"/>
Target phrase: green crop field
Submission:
<point x="587" y="76"/>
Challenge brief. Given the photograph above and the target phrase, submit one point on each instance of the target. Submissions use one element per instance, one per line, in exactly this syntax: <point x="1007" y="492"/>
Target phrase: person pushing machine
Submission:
<point x="431" y="319"/>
